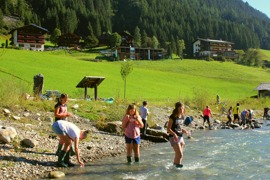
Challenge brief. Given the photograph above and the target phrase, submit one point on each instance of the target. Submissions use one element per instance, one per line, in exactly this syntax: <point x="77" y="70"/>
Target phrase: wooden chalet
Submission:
<point x="216" y="49"/>
<point x="263" y="90"/>
<point x="69" y="40"/>
<point x="136" y="53"/>
<point x="127" y="39"/>
<point x="30" y="37"/>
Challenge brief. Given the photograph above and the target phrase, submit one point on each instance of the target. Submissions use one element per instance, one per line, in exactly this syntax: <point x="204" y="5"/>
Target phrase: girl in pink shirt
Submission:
<point x="132" y="122"/>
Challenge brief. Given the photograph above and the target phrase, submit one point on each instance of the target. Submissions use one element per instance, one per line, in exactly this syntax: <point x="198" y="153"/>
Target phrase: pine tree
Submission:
<point x="137" y="37"/>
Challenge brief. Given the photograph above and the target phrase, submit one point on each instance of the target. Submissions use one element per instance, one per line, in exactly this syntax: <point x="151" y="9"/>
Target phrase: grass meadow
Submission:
<point x="152" y="80"/>
<point x="163" y="82"/>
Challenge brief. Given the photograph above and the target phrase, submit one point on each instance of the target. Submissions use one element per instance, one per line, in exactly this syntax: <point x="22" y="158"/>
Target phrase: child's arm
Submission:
<point x="186" y="132"/>
<point x="139" y="122"/>
<point x="125" y="121"/>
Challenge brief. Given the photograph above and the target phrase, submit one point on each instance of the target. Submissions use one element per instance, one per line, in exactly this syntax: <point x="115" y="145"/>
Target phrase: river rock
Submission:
<point x="49" y="119"/>
<point x="234" y="125"/>
<point x="56" y="174"/>
<point x="156" y="139"/>
<point x="113" y="127"/>
<point x="158" y="133"/>
<point x="217" y="121"/>
<point x="7" y="134"/>
<point x="257" y="125"/>
<point x="158" y="127"/>
<point x="75" y="106"/>
<point x="28" y="143"/>
<point x="26" y="114"/>
<point x="16" y="118"/>
<point x="6" y="112"/>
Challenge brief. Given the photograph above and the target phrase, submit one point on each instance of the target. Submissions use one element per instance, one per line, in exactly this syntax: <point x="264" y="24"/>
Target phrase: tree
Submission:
<point x="115" y="40"/>
<point x="137" y="37"/>
<point x="144" y="39"/>
<point x="126" y="69"/>
<point x="155" y="42"/>
<point x="91" y="40"/>
<point x="55" y="35"/>
<point x="180" y="46"/>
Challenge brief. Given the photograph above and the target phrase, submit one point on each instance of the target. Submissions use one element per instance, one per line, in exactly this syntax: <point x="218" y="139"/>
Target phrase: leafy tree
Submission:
<point x="155" y="42"/>
<point x="252" y="57"/>
<point x="115" y="40"/>
<point x="144" y="39"/>
<point x="137" y="37"/>
<point x="55" y="35"/>
<point x="126" y="69"/>
<point x="180" y="46"/>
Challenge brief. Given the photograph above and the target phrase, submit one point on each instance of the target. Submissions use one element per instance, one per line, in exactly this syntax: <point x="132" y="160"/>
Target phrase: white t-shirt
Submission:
<point x="144" y="112"/>
<point x="69" y="128"/>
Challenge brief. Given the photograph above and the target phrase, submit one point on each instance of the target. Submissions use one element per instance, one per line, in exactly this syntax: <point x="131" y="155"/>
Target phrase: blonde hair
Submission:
<point x="132" y="106"/>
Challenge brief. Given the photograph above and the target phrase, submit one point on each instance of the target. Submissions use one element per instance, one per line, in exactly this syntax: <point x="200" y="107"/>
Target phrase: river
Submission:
<point x="210" y="154"/>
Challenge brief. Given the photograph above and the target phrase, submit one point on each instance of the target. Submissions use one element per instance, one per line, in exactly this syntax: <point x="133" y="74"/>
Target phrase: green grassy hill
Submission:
<point x="152" y="80"/>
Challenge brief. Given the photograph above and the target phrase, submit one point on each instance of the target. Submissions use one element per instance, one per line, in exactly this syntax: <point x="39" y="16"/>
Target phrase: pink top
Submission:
<point x="207" y="112"/>
<point x="132" y="130"/>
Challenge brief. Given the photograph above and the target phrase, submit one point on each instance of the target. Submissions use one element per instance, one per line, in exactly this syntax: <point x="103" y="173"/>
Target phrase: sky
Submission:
<point x="261" y="5"/>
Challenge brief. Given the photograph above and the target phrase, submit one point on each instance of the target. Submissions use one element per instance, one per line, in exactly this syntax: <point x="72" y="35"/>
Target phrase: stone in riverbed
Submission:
<point x="16" y="117"/>
<point x="28" y="143"/>
<point x="114" y="127"/>
<point x="56" y="174"/>
<point x="234" y="125"/>
<point x="157" y="133"/>
<point x="7" y="134"/>
<point x="6" y="112"/>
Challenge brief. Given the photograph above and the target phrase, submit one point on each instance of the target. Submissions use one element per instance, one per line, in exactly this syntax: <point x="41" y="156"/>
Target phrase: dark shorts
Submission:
<point x="133" y="141"/>
<point x="56" y="128"/>
<point x="236" y="116"/>
<point x="206" y="118"/>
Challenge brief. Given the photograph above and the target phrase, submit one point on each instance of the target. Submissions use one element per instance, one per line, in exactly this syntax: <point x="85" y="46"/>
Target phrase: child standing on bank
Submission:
<point x="176" y="133"/>
<point x="60" y="113"/>
<point x="132" y="123"/>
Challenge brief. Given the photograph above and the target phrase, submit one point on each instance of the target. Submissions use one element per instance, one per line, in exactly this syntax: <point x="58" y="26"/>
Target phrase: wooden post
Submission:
<point x="85" y="92"/>
<point x="95" y="91"/>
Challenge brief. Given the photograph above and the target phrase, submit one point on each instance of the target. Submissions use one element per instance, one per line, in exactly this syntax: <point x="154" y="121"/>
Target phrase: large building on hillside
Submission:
<point x="138" y="53"/>
<point x="69" y="40"/>
<point x="30" y="37"/>
<point x="216" y="49"/>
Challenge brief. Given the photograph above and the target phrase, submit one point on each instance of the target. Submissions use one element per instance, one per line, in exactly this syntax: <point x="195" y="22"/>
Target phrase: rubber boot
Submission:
<point x="67" y="159"/>
<point x="178" y="165"/>
<point x="59" y="148"/>
<point x="137" y="159"/>
<point x="72" y="152"/>
<point x="61" y="157"/>
<point x="128" y="159"/>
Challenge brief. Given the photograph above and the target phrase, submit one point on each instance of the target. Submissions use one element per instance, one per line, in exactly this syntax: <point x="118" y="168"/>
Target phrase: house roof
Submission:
<point x="214" y="40"/>
<point x="263" y="86"/>
<point x="31" y="25"/>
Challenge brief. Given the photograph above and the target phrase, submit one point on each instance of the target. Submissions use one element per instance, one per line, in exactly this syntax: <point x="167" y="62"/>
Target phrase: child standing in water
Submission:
<point x="132" y="123"/>
<point x="60" y="113"/>
<point x="176" y="133"/>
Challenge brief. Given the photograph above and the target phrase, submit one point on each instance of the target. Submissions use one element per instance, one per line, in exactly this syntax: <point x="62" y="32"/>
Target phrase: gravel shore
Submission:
<point x="18" y="162"/>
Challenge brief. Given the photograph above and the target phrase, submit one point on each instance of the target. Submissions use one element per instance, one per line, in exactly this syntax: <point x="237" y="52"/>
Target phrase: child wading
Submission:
<point x="176" y="133"/>
<point x="132" y="123"/>
<point x="60" y="113"/>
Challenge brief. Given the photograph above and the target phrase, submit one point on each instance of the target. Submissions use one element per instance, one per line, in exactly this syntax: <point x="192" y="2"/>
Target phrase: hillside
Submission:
<point x="153" y="80"/>
<point x="168" y="20"/>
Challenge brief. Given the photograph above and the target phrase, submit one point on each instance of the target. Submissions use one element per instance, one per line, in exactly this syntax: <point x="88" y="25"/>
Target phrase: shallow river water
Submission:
<point x="214" y="154"/>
